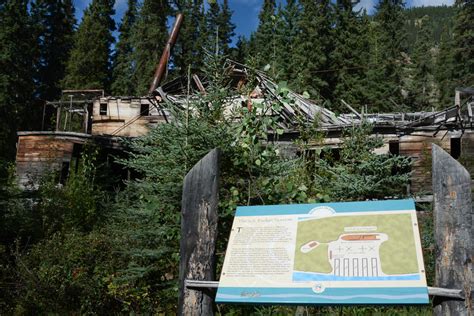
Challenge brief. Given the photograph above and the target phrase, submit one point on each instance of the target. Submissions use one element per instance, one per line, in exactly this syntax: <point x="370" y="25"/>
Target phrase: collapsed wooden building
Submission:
<point x="106" y="120"/>
<point x="90" y="117"/>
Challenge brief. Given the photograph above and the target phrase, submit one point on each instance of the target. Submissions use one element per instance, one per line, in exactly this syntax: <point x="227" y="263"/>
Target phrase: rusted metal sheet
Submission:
<point x="163" y="64"/>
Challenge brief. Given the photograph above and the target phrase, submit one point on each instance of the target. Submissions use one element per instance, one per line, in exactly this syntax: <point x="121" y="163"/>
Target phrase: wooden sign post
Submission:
<point x="198" y="234"/>
<point x="454" y="232"/>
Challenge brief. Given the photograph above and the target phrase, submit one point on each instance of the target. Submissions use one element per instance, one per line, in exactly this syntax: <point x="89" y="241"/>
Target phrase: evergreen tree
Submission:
<point x="241" y="50"/>
<point x="422" y="94"/>
<point x="287" y="31"/>
<point x="189" y="47"/>
<point x="54" y="22"/>
<point x="263" y="41"/>
<point x="123" y="65"/>
<point x="385" y="77"/>
<point x="350" y="57"/>
<point x="455" y="65"/>
<point x="89" y="64"/>
<point x="16" y="68"/>
<point x="464" y="44"/>
<point x="445" y="70"/>
<point x="149" y="38"/>
<point x="313" y="47"/>
<point x="212" y="23"/>
<point x="226" y="28"/>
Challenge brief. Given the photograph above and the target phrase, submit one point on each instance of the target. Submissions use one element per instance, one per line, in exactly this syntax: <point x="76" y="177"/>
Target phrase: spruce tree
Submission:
<point x="463" y="50"/>
<point x="226" y="28"/>
<point x="212" y="23"/>
<point x="89" y="64"/>
<point x="149" y="38"/>
<point x="445" y="70"/>
<point x="386" y="75"/>
<point x="241" y="50"/>
<point x="263" y="42"/>
<point x="422" y="94"/>
<point x="16" y="74"/>
<point x="54" y="23"/>
<point x="350" y="57"/>
<point x="313" y="48"/>
<point x="189" y="49"/>
<point x="123" y="65"/>
<point x="287" y="31"/>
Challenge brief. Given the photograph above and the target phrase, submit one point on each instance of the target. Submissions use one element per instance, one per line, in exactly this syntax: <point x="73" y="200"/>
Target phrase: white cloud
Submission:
<point x="424" y="3"/>
<point x="368" y="5"/>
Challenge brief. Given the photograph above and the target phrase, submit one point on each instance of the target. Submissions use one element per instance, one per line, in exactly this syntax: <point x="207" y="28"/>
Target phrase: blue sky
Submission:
<point x="245" y="15"/>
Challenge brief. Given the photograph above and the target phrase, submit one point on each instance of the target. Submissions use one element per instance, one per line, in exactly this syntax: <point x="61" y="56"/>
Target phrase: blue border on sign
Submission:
<point x="338" y="207"/>
<point x="332" y="296"/>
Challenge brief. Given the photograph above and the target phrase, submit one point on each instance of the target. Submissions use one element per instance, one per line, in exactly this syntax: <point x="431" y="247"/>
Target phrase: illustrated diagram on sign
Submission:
<point x="355" y="248"/>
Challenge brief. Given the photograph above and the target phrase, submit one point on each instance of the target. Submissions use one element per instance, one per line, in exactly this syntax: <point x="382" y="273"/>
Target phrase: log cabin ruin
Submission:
<point x="89" y="117"/>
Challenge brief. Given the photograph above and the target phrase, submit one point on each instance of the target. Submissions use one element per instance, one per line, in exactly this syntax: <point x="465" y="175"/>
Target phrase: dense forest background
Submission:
<point x="96" y="246"/>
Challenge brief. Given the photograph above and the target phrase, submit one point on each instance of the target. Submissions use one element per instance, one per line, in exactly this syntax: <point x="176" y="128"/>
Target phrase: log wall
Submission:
<point x="43" y="153"/>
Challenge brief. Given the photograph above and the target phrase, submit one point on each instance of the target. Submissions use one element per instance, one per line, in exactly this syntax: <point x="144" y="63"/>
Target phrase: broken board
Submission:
<point x="321" y="254"/>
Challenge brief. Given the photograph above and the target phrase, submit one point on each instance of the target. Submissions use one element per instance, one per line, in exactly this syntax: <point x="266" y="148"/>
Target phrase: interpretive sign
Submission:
<point x="331" y="253"/>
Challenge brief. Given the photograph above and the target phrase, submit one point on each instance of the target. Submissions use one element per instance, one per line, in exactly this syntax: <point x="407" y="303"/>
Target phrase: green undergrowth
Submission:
<point x="84" y="248"/>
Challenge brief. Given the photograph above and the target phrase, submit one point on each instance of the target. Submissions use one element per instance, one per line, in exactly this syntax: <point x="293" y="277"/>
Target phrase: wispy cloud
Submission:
<point x="368" y="5"/>
<point x="424" y="3"/>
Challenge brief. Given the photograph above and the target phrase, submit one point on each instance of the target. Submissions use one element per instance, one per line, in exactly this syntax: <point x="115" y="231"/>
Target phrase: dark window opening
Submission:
<point x="64" y="172"/>
<point x="103" y="109"/>
<point x="331" y="154"/>
<point x="144" y="109"/>
<point x="394" y="148"/>
<point x="455" y="147"/>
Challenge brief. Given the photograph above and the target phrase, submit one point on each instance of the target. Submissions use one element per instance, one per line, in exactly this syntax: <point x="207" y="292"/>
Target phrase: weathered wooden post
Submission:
<point x="198" y="234"/>
<point x="454" y="236"/>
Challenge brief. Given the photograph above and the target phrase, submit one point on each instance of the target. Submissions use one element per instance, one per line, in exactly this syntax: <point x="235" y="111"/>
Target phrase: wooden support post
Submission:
<point x="199" y="234"/>
<point x="454" y="236"/>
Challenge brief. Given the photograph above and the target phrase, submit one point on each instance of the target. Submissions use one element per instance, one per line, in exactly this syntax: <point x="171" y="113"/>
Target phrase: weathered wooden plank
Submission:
<point x="198" y="234"/>
<point x="453" y="231"/>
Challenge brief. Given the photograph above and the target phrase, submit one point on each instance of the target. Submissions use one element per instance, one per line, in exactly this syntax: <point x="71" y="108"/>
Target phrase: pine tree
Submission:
<point x="350" y="57"/>
<point x="263" y="41"/>
<point x="189" y="47"/>
<point x="17" y="47"/>
<point x="445" y="70"/>
<point x="287" y="31"/>
<point x="226" y="28"/>
<point x="212" y="23"/>
<point x="54" y="22"/>
<point x="241" y="50"/>
<point x="422" y="94"/>
<point x="89" y="64"/>
<point x="149" y="38"/>
<point x="385" y="77"/>
<point x="313" y="48"/>
<point x="123" y="65"/>
<point x="455" y="65"/>
<point x="464" y="44"/>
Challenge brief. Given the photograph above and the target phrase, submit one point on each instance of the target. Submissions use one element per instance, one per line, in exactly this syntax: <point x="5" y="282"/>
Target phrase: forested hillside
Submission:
<point x="95" y="245"/>
<point x="442" y="18"/>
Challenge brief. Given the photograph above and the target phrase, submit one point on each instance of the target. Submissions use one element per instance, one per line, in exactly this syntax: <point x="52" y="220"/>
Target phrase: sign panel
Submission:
<point x="329" y="253"/>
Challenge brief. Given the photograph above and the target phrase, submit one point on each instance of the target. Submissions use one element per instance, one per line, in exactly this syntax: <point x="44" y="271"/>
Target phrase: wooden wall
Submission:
<point x="124" y="116"/>
<point x="41" y="154"/>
